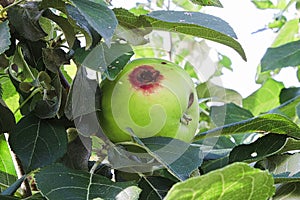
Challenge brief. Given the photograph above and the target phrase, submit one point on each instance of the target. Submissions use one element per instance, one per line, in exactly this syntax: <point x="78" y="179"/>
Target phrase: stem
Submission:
<point x="25" y="63"/>
<point x="28" y="98"/>
<point x="93" y="169"/>
<point x="9" y="6"/>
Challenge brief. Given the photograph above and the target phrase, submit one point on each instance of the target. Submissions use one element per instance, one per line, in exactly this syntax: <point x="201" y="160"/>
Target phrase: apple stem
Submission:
<point x="185" y="119"/>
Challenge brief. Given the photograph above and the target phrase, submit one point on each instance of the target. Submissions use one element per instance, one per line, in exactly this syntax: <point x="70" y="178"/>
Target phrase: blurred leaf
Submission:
<point x="4" y="37"/>
<point x="7" y="118"/>
<point x="218" y="93"/>
<point x="226" y="183"/>
<point x="187" y="5"/>
<point x="78" y="20"/>
<point x="25" y="20"/>
<point x="54" y="58"/>
<point x="154" y="187"/>
<point x="216" y="3"/>
<point x="103" y="57"/>
<point x="99" y="16"/>
<point x="283" y="56"/>
<point x="57" y="182"/>
<point x="5" y="181"/>
<point x="196" y="24"/>
<point x="179" y="158"/>
<point x="64" y="24"/>
<point x="273" y="123"/>
<point x="38" y="142"/>
<point x="289" y="191"/>
<point x="228" y="113"/>
<point x="287" y="33"/>
<point x="14" y="187"/>
<point x="259" y="149"/>
<point x="265" y="98"/>
<point x="263" y="4"/>
<point x="6" y="162"/>
<point x="132" y="28"/>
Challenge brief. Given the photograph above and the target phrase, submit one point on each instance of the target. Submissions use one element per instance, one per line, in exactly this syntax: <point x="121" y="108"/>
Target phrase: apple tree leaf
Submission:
<point x="179" y="158"/>
<point x="265" y="98"/>
<point x="38" y="142"/>
<point x="273" y="123"/>
<point x="4" y="36"/>
<point x="215" y="3"/>
<point x="196" y="24"/>
<point x="289" y="191"/>
<point x="7" y="119"/>
<point x="283" y="56"/>
<point x="236" y="181"/>
<point x="99" y="16"/>
<point x="57" y="182"/>
<point x="6" y="162"/>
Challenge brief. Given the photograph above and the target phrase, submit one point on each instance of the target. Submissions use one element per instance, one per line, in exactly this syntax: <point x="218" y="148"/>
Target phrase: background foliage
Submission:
<point x="247" y="146"/>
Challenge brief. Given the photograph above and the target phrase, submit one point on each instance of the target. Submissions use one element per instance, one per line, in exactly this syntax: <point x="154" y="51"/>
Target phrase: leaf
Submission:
<point x="99" y="16"/>
<point x="25" y="21"/>
<point x="273" y="123"/>
<point x="286" y="33"/>
<point x="263" y="4"/>
<point x="6" y="180"/>
<point x="78" y="20"/>
<point x="103" y="57"/>
<point x="4" y="37"/>
<point x="283" y="56"/>
<point x="196" y="24"/>
<point x="265" y="98"/>
<point x="218" y="93"/>
<point x="54" y="59"/>
<point x="284" y="167"/>
<point x="64" y="24"/>
<point x="154" y="187"/>
<point x="6" y="162"/>
<point x="216" y="3"/>
<point x="7" y="119"/>
<point x="57" y="182"/>
<point x="179" y="158"/>
<point x="38" y="142"/>
<point x="236" y="181"/>
<point x="263" y="147"/>
<point x="289" y="191"/>
<point x="14" y="187"/>
<point x="228" y="113"/>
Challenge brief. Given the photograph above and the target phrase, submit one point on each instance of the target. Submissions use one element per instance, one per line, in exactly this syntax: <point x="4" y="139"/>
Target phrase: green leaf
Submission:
<point x="233" y="182"/>
<point x="103" y="57"/>
<point x="4" y="37"/>
<point x="179" y="158"/>
<point x="99" y="16"/>
<point x="6" y="162"/>
<point x="64" y="24"/>
<point x="289" y="191"/>
<point x="218" y="93"/>
<point x="57" y="182"/>
<point x="38" y="142"/>
<point x="154" y="187"/>
<point x="263" y="4"/>
<point x="7" y="119"/>
<point x="265" y="98"/>
<point x="263" y="147"/>
<point x="273" y="123"/>
<point x="196" y="24"/>
<point x="287" y="33"/>
<point x="25" y="20"/>
<point x="14" y="187"/>
<point x="6" y="180"/>
<point x="283" y="56"/>
<point x="228" y="113"/>
<point x="216" y="3"/>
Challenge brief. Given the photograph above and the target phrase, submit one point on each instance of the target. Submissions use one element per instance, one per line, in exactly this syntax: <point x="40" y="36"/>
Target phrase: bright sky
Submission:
<point x="245" y="19"/>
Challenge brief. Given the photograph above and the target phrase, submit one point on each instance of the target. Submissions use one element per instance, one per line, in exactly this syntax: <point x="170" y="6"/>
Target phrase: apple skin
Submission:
<point x="150" y="97"/>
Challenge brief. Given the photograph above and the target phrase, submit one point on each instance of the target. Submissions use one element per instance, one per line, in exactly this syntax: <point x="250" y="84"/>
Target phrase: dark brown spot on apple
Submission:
<point x="146" y="78"/>
<point x="163" y="63"/>
<point x="191" y="100"/>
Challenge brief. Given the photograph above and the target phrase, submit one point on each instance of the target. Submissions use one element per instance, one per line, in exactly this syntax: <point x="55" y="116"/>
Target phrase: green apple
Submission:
<point x="150" y="97"/>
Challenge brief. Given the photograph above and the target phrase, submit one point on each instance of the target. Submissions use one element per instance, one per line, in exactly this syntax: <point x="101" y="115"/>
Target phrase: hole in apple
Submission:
<point x="163" y="63"/>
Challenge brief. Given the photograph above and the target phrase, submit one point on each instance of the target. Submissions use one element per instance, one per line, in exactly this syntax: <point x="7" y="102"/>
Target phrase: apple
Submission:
<point x="150" y="97"/>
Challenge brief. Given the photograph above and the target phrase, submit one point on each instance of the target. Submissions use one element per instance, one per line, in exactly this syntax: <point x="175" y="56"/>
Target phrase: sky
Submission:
<point x="245" y="19"/>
